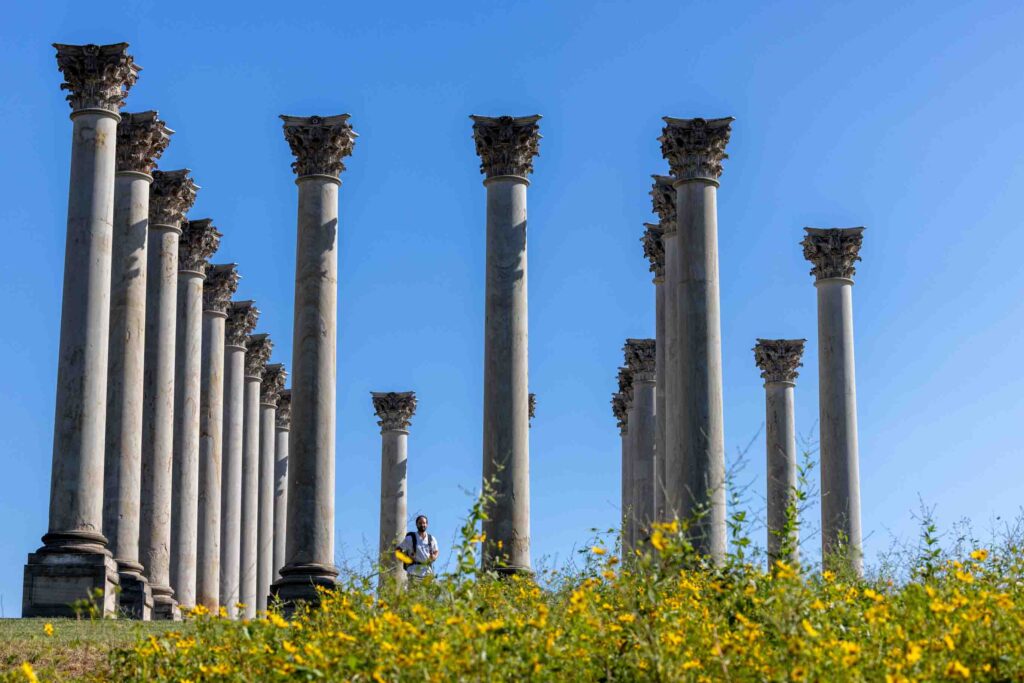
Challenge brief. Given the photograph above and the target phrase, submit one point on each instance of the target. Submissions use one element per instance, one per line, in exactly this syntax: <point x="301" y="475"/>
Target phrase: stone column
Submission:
<point x="242" y="319"/>
<point x="640" y="358"/>
<point x="506" y="146"/>
<point x="172" y="195"/>
<point x="654" y="250"/>
<point x="221" y="283"/>
<point x="284" y="425"/>
<point x="695" y="149"/>
<point x="257" y="353"/>
<point x="74" y="559"/>
<point x="319" y="145"/>
<point x="778" y="360"/>
<point x="141" y="139"/>
<point x="395" y="410"/>
<point x="273" y="384"/>
<point x="834" y="252"/>
<point x="622" y="408"/>
<point x="198" y="242"/>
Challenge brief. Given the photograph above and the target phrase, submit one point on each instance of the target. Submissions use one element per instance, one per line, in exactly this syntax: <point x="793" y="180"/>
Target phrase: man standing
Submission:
<point x="421" y="548"/>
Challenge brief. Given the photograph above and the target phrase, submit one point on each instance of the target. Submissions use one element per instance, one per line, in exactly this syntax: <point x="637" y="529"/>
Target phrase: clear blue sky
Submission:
<point x="903" y="117"/>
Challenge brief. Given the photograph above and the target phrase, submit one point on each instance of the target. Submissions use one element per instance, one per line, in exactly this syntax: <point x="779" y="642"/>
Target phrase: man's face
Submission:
<point x="421" y="524"/>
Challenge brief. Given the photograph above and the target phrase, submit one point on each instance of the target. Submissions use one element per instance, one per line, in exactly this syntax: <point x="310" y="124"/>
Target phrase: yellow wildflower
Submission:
<point x="980" y="555"/>
<point x="949" y="642"/>
<point x="598" y="550"/>
<point x="29" y="672"/>
<point x="48" y="629"/>
<point x="966" y="577"/>
<point x="955" y="668"/>
<point x="691" y="664"/>
<point x="913" y="654"/>
<point x="403" y="557"/>
<point x="809" y="629"/>
<point x="658" y="540"/>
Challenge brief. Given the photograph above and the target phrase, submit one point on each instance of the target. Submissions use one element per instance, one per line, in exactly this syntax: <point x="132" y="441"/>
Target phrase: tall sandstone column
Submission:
<point x="141" y="139"/>
<point x="654" y="250"/>
<point x="172" y="195"/>
<point x="833" y="252"/>
<point x="640" y="357"/>
<point x="198" y="242"/>
<point x="284" y="425"/>
<point x="319" y="145"/>
<point x="695" y="149"/>
<point x="506" y="146"/>
<point x="778" y="360"/>
<point x="622" y="407"/>
<point x="270" y="391"/>
<point x="220" y="285"/>
<point x="395" y="411"/>
<point x="257" y="353"/>
<point x="74" y="559"/>
<point x="242" y="319"/>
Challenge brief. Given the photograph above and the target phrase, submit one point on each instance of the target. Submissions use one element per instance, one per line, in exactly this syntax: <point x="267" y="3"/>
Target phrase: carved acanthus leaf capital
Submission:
<point x="274" y="377"/>
<point x="833" y="251"/>
<point x="221" y="283"/>
<point x="172" y="195"/>
<point x="395" y="409"/>
<point x="319" y="143"/>
<point x="625" y="379"/>
<point x="778" y="359"/>
<point x="258" y="348"/>
<point x="640" y="355"/>
<point x="284" y="410"/>
<point x="506" y="145"/>
<point x="141" y="139"/>
<point x="620" y="412"/>
<point x="199" y="241"/>
<point x="654" y="248"/>
<point x="242" y="319"/>
<point x="96" y="76"/>
<point x="695" y="148"/>
<point x="663" y="202"/>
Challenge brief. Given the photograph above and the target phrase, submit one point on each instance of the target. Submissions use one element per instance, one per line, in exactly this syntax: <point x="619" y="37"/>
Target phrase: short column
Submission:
<point x="257" y="353"/>
<point x="654" y="250"/>
<point x="833" y="252"/>
<point x="506" y="146"/>
<point x="640" y="358"/>
<point x="242" y="319"/>
<point x="284" y="425"/>
<point x="171" y="196"/>
<point x="220" y="285"/>
<point x="198" y="242"/>
<point x="395" y="410"/>
<point x="695" y="149"/>
<point x="319" y="145"/>
<point x="622" y="406"/>
<point x="74" y="560"/>
<point x="141" y="139"/>
<point x="778" y="360"/>
<point x="270" y="391"/>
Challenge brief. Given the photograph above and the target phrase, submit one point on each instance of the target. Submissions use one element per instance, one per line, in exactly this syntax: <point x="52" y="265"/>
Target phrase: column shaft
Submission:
<point x="250" y="497"/>
<point x="393" y="500"/>
<point x="780" y="432"/>
<point x="642" y="426"/>
<point x="231" y="476"/>
<point x="280" y="498"/>
<point x="265" y="532"/>
<point x="211" y="441"/>
<point x="660" y="446"/>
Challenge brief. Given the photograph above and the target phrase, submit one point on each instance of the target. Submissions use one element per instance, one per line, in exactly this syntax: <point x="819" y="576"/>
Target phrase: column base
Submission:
<point x="135" y="600"/>
<point x="165" y="607"/>
<point x="508" y="570"/>
<point x="63" y="581"/>
<point x="299" y="583"/>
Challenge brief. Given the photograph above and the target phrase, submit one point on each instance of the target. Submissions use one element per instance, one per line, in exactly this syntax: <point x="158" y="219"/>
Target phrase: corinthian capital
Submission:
<point x="258" y="348"/>
<point x="284" y="410"/>
<point x="640" y="358"/>
<point x="695" y="148"/>
<point x="395" y="409"/>
<point x="242" y="319"/>
<point x="96" y="76"/>
<point x="625" y="379"/>
<point x="654" y="249"/>
<point x="833" y="251"/>
<point x="506" y="145"/>
<point x="274" y="377"/>
<point x="319" y="143"/>
<point x="663" y="201"/>
<point x="620" y="412"/>
<point x="141" y="139"/>
<point x="199" y="241"/>
<point x="221" y="283"/>
<point x="778" y="359"/>
<point x="173" y="193"/>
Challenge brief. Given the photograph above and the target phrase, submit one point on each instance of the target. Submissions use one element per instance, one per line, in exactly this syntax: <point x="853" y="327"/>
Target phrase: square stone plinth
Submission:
<point x="135" y="599"/>
<point x="55" y="582"/>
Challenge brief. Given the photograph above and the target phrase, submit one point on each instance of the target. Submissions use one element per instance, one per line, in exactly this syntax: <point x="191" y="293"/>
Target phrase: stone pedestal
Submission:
<point x="258" y="348"/>
<point x="834" y="252"/>
<point x="778" y="360"/>
<point x="141" y="139"/>
<point x="284" y="425"/>
<point x="273" y="384"/>
<point x="640" y="358"/>
<point x="242" y="318"/>
<point x="221" y="283"/>
<point x="506" y="146"/>
<point x="395" y="411"/>
<point x="319" y="145"/>
<point x="654" y="250"/>
<point x="172" y="195"/>
<point x="695" y="149"/>
<point x="97" y="78"/>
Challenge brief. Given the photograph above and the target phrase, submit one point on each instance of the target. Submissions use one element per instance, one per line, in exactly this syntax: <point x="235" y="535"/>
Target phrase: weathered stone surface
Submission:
<point x="141" y="139"/>
<point x="220" y="285"/>
<point x="654" y="249"/>
<point x="96" y="76"/>
<point x="199" y="241"/>
<point x="506" y="145"/>
<point x="395" y="409"/>
<point x="172" y="195"/>
<point x="695" y="148"/>
<point x="283" y="417"/>
<point x="663" y="202"/>
<point x="833" y="251"/>
<point x="274" y="378"/>
<point x="778" y="359"/>
<point x="319" y="143"/>
<point x="258" y="349"/>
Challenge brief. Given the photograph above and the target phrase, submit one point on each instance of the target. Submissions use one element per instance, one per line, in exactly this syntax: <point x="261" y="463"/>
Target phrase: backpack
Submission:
<point x="415" y="537"/>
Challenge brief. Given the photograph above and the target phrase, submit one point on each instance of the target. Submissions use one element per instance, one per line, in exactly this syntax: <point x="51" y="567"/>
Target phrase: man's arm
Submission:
<point x="434" y="552"/>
